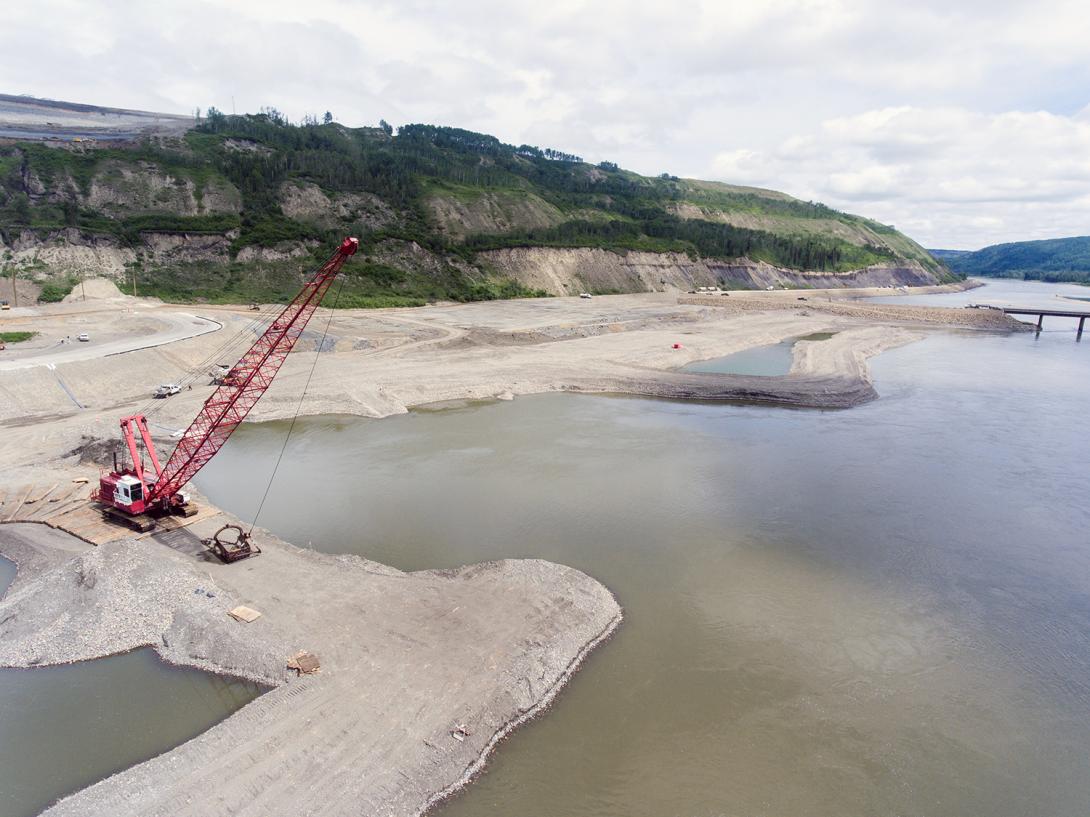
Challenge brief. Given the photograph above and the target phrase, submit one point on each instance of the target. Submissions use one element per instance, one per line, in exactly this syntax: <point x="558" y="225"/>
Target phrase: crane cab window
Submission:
<point x="129" y="490"/>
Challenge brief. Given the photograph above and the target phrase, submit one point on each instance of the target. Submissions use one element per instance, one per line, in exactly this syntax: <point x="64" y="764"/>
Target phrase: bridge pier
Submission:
<point x="1059" y="313"/>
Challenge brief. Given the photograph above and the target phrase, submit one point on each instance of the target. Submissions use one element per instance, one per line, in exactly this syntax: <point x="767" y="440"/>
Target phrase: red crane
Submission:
<point x="132" y="492"/>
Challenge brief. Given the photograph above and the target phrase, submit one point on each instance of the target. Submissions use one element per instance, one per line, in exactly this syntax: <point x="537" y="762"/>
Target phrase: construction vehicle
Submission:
<point x="224" y="375"/>
<point x="134" y="496"/>
<point x="167" y="390"/>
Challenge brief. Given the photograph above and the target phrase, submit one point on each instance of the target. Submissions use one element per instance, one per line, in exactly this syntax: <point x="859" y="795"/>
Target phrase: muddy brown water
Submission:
<point x="64" y="728"/>
<point x="880" y="611"/>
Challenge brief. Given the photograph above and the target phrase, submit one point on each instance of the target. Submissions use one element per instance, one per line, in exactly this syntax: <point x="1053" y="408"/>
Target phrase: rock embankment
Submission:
<point x="411" y="662"/>
<point x="568" y="271"/>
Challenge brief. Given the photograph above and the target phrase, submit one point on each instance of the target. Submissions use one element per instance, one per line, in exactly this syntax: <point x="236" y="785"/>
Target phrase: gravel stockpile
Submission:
<point x="125" y="595"/>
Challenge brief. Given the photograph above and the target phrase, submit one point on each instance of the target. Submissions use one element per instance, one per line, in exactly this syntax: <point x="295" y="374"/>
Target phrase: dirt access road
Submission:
<point x="172" y="327"/>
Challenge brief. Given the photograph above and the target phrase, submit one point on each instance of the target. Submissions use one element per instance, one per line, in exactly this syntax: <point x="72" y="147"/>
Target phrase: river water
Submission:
<point x="879" y="611"/>
<point x="64" y="728"/>
<point x="1007" y="292"/>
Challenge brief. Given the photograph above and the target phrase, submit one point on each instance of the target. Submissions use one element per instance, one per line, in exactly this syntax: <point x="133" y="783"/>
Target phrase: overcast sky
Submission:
<point x="961" y="123"/>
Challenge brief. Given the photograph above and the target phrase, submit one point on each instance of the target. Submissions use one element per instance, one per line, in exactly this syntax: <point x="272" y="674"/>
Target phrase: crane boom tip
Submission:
<point x="349" y="246"/>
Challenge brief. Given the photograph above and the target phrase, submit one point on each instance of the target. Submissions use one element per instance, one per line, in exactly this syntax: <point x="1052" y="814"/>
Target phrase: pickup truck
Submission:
<point x="167" y="389"/>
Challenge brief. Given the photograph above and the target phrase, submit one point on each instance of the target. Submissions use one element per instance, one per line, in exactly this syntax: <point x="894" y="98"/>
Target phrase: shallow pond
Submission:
<point x="64" y="728"/>
<point x="770" y="361"/>
<point x="880" y="611"/>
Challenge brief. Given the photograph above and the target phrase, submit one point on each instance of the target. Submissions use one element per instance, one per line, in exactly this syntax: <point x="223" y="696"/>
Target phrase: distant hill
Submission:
<point x="1054" y="259"/>
<point x="232" y="208"/>
<point x="945" y="255"/>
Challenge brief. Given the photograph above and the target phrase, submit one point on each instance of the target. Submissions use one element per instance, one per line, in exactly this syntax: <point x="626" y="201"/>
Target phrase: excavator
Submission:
<point x="136" y="497"/>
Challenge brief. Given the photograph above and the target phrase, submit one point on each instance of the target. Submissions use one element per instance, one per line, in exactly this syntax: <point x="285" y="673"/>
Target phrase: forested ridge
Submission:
<point x="411" y="173"/>
<point x="1055" y="260"/>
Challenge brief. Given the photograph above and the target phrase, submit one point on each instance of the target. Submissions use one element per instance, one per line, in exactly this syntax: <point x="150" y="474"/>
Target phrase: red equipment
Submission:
<point x="130" y="491"/>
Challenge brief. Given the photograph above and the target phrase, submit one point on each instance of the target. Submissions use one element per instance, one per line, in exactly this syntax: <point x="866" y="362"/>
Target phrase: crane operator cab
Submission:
<point x="122" y="490"/>
<point x="128" y="490"/>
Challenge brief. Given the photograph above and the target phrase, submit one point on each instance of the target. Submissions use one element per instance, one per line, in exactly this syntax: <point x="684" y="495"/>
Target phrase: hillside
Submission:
<point x="235" y="208"/>
<point x="1055" y="259"/>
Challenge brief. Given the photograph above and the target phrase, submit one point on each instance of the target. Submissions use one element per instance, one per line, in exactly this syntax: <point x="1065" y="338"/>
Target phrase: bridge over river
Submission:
<point x="1056" y="313"/>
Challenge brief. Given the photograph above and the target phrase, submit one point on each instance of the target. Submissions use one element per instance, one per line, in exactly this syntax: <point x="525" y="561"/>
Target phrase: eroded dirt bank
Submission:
<point x="407" y="659"/>
<point x="567" y="271"/>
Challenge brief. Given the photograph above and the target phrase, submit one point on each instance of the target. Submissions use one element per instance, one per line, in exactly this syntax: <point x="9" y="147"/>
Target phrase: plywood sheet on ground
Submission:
<point x="17" y="503"/>
<point x="176" y="522"/>
<point x="39" y="495"/>
<point x="86" y="522"/>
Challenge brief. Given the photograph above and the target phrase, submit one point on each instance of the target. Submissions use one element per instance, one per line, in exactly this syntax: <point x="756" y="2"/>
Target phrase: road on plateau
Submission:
<point x="180" y="326"/>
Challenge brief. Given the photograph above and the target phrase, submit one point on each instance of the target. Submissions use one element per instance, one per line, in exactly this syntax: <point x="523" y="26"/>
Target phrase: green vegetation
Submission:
<point x="1054" y="260"/>
<point x="16" y="337"/>
<point x="444" y="196"/>
<point x="365" y="284"/>
<point x="54" y="291"/>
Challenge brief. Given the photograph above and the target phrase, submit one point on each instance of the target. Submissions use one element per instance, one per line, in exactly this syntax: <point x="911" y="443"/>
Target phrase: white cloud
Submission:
<point x="946" y="175"/>
<point x="963" y="123"/>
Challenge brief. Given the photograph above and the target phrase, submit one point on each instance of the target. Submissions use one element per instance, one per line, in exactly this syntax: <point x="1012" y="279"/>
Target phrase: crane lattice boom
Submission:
<point x="222" y="412"/>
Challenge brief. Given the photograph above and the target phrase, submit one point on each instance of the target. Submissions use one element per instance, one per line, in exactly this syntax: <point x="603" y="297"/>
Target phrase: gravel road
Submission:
<point x="178" y="326"/>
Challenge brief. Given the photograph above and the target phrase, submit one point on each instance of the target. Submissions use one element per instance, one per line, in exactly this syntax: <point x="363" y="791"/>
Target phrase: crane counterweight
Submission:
<point x="133" y="491"/>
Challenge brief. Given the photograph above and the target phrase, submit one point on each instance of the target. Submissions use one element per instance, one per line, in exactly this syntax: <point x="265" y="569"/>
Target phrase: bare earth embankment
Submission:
<point x="407" y="658"/>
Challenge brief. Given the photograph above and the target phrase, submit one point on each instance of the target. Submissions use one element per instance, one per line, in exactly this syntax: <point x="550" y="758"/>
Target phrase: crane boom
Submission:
<point x="224" y="410"/>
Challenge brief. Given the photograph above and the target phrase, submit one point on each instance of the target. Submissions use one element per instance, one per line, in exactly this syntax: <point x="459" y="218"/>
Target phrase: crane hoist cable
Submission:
<point x="299" y="406"/>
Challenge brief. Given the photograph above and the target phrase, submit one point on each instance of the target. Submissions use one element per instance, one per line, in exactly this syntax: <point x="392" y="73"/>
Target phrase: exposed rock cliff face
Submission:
<point x="565" y="271"/>
<point x="68" y="252"/>
<point x="72" y="252"/>
<point x="164" y="248"/>
<point x="491" y="212"/>
<point x="124" y="189"/>
<point x="281" y="252"/>
<point x="558" y="271"/>
<point x="304" y="201"/>
<point x="120" y="189"/>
